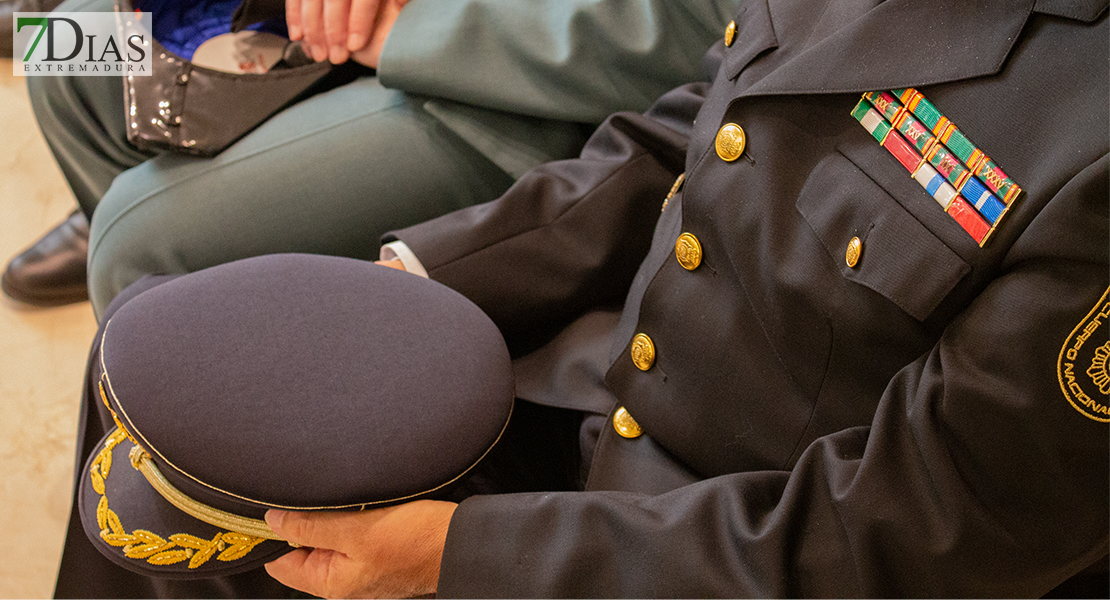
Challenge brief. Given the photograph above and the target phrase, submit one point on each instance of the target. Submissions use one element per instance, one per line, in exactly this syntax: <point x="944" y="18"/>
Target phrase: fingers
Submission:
<point x="329" y="530"/>
<point x="336" y="14"/>
<point x="323" y="573"/>
<point x="370" y="54"/>
<point x="312" y="26"/>
<point x="363" y="15"/>
<point x="293" y="19"/>
<point x="327" y="569"/>
<point x="386" y="552"/>
<point x="332" y="29"/>
<point x="293" y="570"/>
<point x="324" y="568"/>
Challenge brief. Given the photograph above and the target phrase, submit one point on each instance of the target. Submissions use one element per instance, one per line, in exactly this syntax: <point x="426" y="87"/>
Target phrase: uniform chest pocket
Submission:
<point x="896" y="255"/>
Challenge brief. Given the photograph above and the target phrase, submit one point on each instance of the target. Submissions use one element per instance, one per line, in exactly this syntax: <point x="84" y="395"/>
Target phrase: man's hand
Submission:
<point x="382" y="553"/>
<point x="334" y="29"/>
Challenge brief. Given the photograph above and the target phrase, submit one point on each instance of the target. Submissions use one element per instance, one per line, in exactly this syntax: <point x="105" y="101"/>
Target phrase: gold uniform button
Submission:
<point x="730" y="33"/>
<point x="730" y="142"/>
<point x="688" y="251"/>
<point x="852" y="254"/>
<point x="625" y="425"/>
<point x="643" y="352"/>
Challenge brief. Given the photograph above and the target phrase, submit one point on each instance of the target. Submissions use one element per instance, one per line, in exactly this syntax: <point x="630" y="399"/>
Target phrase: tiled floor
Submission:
<point x="42" y="355"/>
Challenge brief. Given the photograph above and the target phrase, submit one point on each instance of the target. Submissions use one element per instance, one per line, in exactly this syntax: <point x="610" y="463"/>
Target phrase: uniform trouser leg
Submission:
<point x="82" y="120"/>
<point x="329" y="175"/>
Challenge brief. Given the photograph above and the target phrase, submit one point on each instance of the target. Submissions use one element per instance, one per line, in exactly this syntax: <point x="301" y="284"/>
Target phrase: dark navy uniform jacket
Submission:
<point x="931" y="421"/>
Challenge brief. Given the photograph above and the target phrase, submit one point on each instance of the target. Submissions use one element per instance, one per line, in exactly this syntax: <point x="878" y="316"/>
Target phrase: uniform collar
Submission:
<point x="910" y="43"/>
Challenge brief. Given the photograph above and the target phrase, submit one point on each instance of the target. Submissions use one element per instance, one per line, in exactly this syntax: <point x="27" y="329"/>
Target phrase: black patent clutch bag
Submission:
<point x="188" y="108"/>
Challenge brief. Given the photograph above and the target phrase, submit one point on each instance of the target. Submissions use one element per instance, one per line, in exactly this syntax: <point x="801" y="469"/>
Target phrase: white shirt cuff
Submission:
<point x="400" y="251"/>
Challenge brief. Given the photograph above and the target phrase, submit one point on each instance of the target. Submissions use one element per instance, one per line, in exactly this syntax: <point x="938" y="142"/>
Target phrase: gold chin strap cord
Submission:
<point x="213" y="516"/>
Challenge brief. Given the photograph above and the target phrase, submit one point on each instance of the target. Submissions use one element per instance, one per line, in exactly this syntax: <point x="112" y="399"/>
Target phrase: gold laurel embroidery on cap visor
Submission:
<point x="1082" y="367"/>
<point x="115" y="417"/>
<point x="147" y="446"/>
<point x="141" y="544"/>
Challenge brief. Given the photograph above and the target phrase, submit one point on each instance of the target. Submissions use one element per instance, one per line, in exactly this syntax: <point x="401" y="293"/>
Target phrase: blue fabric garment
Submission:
<point x="183" y="26"/>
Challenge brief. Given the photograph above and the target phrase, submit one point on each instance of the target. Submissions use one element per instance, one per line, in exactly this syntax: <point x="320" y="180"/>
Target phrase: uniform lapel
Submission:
<point x="904" y="43"/>
<point x="1080" y="10"/>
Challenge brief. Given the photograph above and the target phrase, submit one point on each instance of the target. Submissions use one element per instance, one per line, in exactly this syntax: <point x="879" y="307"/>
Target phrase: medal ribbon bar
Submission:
<point x="988" y="205"/>
<point x="922" y="172"/>
<point x="979" y="163"/>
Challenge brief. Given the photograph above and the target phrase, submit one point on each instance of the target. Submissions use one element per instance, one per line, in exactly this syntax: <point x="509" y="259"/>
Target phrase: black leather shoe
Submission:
<point x="52" y="272"/>
<point x="7" y="7"/>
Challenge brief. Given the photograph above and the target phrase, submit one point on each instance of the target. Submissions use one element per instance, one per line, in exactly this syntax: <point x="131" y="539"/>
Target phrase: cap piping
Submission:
<point x="194" y="508"/>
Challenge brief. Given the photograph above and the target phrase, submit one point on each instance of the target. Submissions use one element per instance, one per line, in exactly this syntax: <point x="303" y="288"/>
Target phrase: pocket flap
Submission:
<point x="899" y="258"/>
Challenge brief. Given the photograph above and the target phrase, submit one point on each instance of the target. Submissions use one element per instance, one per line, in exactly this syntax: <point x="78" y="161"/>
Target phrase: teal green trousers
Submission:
<point x="328" y="175"/>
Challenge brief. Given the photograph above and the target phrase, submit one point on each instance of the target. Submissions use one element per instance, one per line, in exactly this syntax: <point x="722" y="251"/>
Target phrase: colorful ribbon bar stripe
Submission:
<point x="957" y="174"/>
<point x="970" y="220"/>
<point x="985" y="202"/>
<point x="886" y="104"/>
<point x="949" y="166"/>
<point x="872" y="121"/>
<point x="979" y="163"/>
<point x="900" y="119"/>
<point x="935" y="184"/>
<point x="971" y="188"/>
<point x="925" y="175"/>
<point x="881" y="130"/>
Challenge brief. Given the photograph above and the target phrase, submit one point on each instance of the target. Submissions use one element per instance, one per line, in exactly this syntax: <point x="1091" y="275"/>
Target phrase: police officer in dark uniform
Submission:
<point x="821" y="344"/>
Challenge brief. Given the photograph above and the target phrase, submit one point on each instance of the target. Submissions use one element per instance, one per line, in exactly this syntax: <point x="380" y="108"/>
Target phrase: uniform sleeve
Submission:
<point x="983" y="473"/>
<point x="571" y="60"/>
<point x="568" y="235"/>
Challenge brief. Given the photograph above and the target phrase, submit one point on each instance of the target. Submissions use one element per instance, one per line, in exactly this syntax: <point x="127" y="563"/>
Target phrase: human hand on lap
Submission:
<point x="389" y="552"/>
<point x="338" y="30"/>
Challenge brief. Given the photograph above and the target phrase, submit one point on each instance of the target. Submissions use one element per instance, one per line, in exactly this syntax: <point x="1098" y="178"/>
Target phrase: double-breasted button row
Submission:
<point x="643" y="356"/>
<point x="688" y="251"/>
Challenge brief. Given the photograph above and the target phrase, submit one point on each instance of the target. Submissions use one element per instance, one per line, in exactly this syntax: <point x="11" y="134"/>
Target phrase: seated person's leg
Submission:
<point x="82" y="120"/>
<point x="327" y="176"/>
